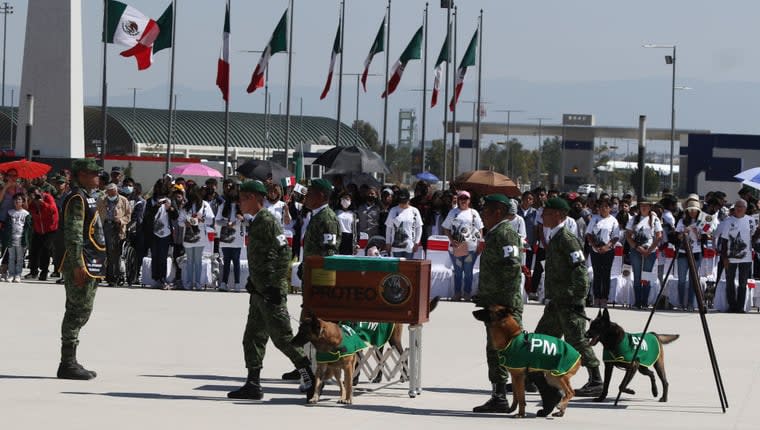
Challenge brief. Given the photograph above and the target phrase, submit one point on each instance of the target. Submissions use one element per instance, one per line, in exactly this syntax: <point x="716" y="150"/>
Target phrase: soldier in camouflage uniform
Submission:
<point x="83" y="263"/>
<point x="566" y="286"/>
<point x="500" y="268"/>
<point x="268" y="260"/>
<point x="323" y="233"/>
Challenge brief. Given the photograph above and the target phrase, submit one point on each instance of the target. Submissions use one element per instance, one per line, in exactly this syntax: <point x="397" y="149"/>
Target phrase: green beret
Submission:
<point x="253" y="187"/>
<point x="557" y="203"/>
<point x="498" y="198"/>
<point x="84" y="164"/>
<point x="321" y="184"/>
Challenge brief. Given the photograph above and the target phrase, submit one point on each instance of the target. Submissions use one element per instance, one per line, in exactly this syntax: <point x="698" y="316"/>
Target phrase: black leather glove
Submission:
<point x="299" y="271"/>
<point x="273" y="296"/>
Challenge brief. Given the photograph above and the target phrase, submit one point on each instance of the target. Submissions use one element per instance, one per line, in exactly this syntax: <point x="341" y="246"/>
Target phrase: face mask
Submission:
<point x="345" y="203"/>
<point x="127" y="190"/>
<point x="113" y="198"/>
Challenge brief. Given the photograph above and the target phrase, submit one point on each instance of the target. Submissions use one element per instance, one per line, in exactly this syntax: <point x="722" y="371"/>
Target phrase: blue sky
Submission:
<point x="546" y="56"/>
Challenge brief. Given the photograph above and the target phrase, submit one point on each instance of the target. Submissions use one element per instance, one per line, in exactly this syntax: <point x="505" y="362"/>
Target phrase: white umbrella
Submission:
<point x="752" y="174"/>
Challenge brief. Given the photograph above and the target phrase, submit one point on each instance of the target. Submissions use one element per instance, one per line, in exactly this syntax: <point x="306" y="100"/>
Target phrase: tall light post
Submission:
<point x="5" y="9"/>
<point x="539" y="163"/>
<point x="612" y="149"/>
<point x="509" y="113"/>
<point x="478" y="111"/>
<point x="671" y="60"/>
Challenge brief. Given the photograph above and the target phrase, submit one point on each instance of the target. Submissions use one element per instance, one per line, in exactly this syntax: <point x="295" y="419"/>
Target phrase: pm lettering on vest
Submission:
<point x="546" y="347"/>
<point x="636" y="341"/>
<point x="328" y="239"/>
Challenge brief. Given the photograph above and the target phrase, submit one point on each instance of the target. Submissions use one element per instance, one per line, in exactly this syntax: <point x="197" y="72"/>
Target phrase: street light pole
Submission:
<point x="671" y="60"/>
<point x="5" y="9"/>
<point x="539" y="167"/>
<point x="509" y="113"/>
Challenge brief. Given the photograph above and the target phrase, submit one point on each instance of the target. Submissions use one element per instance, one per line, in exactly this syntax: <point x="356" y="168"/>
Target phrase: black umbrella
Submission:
<point x="352" y="159"/>
<point x="359" y="178"/>
<point x="262" y="169"/>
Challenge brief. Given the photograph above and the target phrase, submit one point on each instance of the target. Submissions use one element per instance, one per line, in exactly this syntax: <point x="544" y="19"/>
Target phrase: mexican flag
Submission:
<point x="337" y="49"/>
<point x="223" y="65"/>
<point x="443" y="57"/>
<point x="165" y="23"/>
<point x="278" y="43"/>
<point x="377" y="46"/>
<point x="413" y="51"/>
<point x="467" y="60"/>
<point x="129" y="27"/>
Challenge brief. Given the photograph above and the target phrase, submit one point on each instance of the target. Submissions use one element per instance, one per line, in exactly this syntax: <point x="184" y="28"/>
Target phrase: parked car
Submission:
<point x="589" y="188"/>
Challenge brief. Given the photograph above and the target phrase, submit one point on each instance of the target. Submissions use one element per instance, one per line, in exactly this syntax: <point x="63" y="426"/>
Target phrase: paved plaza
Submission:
<point x="166" y="359"/>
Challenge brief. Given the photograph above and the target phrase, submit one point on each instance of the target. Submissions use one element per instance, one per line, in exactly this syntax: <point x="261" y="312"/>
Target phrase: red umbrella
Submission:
<point x="26" y="169"/>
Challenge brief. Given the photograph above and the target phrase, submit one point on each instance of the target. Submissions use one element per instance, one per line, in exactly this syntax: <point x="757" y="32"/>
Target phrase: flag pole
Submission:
<point x="387" y="63"/>
<point x="480" y="78"/>
<point x="424" y="91"/>
<point x="104" y="105"/>
<point x="171" y="88"/>
<point x="290" y="74"/>
<point x="226" y="113"/>
<point x="340" y="69"/>
<point x="454" y="111"/>
<point x="446" y="93"/>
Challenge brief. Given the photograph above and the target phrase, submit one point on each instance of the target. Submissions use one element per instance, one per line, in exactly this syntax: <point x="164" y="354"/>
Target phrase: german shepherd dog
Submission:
<point x="327" y="337"/>
<point x="613" y="337"/>
<point x="503" y="329"/>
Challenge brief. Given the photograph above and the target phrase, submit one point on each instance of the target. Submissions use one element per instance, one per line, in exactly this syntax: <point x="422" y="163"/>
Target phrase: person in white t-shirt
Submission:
<point x="602" y="234"/>
<point x="464" y="228"/>
<point x="232" y="228"/>
<point x="348" y="223"/>
<point x="688" y="228"/>
<point x="403" y="228"/>
<point x="274" y="204"/>
<point x="643" y="233"/>
<point x="736" y="234"/>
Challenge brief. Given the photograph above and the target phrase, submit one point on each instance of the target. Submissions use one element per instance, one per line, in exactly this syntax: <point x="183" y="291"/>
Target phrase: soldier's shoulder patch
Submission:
<point x="511" y="251"/>
<point x="577" y="257"/>
<point x="329" y="239"/>
<point x="282" y="240"/>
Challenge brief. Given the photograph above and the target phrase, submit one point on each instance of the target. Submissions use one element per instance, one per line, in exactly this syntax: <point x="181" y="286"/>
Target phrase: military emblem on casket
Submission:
<point x="395" y="289"/>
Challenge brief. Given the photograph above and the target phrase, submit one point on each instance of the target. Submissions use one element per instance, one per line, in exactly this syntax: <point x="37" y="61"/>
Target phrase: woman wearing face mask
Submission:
<point x="197" y="217"/>
<point x="231" y="228"/>
<point x="348" y="222"/>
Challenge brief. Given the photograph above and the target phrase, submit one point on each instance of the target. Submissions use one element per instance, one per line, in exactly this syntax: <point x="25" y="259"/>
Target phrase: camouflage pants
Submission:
<point x="560" y="321"/>
<point x="79" y="303"/>
<point x="496" y="373"/>
<point x="267" y="321"/>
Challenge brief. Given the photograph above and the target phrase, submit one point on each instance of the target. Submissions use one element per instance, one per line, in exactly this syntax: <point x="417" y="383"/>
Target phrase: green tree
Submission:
<point x="369" y="135"/>
<point x="434" y="158"/>
<point x="493" y="158"/>
<point x="399" y="161"/>
<point x="551" y="157"/>
<point x="651" y="180"/>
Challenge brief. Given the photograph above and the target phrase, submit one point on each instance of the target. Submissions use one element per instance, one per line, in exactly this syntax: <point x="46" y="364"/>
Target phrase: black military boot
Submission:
<point x="307" y="376"/>
<point x="594" y="386"/>
<point x="293" y="375"/>
<point x="497" y="402"/>
<point x="69" y="368"/>
<point x="251" y="389"/>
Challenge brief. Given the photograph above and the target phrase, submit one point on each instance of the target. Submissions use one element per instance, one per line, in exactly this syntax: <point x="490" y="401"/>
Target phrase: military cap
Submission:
<point x="557" y="203"/>
<point x="321" y="184"/>
<point x="498" y="198"/>
<point x="84" y="164"/>
<point x="254" y="186"/>
<point x="59" y="179"/>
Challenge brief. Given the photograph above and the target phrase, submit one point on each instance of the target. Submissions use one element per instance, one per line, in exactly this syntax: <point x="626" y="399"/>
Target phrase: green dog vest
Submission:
<point x="539" y="352"/>
<point x="375" y="334"/>
<point x="350" y="344"/>
<point x="623" y="353"/>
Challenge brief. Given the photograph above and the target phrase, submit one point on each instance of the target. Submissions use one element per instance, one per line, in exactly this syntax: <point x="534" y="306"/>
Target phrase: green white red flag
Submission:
<point x="129" y="27"/>
<point x="377" y="46"/>
<point x="223" y="65"/>
<point x="413" y="51"/>
<point x="337" y="49"/>
<point x="443" y="57"/>
<point x="278" y="43"/>
<point x="467" y="60"/>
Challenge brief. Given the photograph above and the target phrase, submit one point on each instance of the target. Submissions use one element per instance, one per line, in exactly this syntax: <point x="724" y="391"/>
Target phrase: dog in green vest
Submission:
<point x="521" y="352"/>
<point x="619" y="350"/>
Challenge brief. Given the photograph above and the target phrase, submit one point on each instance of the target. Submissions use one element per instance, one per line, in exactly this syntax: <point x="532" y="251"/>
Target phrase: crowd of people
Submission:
<point x="174" y="221"/>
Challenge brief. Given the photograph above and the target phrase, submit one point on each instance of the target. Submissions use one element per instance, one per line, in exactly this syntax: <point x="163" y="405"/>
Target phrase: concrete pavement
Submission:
<point x="166" y="359"/>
